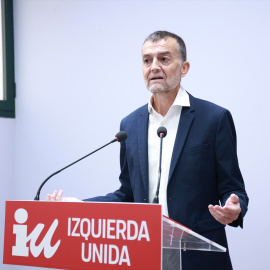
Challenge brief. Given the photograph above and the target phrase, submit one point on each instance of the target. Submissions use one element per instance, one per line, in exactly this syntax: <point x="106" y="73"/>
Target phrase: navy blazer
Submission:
<point x="204" y="170"/>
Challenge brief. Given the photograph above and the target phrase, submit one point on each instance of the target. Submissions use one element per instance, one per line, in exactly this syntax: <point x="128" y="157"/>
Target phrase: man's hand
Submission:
<point x="58" y="197"/>
<point x="229" y="212"/>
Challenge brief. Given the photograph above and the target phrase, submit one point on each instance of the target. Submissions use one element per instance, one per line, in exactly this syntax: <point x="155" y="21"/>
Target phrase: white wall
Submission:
<point x="78" y="72"/>
<point x="7" y="141"/>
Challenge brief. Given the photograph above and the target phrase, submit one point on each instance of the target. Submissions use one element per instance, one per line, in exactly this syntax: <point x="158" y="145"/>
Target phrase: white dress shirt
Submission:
<point x="170" y="121"/>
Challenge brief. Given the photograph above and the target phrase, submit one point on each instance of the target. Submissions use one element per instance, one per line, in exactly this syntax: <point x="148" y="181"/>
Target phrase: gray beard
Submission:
<point x="159" y="91"/>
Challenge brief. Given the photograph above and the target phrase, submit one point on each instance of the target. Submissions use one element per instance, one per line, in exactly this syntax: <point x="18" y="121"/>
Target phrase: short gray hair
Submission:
<point x="158" y="35"/>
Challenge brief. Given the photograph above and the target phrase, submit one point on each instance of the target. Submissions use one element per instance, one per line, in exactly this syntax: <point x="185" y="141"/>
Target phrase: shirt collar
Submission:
<point x="181" y="99"/>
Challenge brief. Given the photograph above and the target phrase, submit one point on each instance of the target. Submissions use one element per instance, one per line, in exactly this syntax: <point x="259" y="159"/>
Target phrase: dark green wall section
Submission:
<point x="7" y="106"/>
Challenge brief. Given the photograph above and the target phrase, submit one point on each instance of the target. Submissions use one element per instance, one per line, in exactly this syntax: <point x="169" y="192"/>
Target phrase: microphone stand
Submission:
<point x="161" y="133"/>
<point x="120" y="136"/>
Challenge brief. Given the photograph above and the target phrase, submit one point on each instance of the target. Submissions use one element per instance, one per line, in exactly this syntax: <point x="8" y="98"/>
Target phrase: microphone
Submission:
<point x="120" y="137"/>
<point x="161" y="132"/>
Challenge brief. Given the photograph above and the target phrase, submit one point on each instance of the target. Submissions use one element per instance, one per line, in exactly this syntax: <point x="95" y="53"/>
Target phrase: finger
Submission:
<point x="226" y="210"/>
<point x="214" y="211"/>
<point x="234" y="198"/>
<point x="59" y="195"/>
<point x="222" y="211"/>
<point x="230" y="213"/>
<point x="53" y="196"/>
<point x="222" y="216"/>
<point x="230" y="209"/>
<point x="48" y="197"/>
<point x="235" y="209"/>
<point x="217" y="216"/>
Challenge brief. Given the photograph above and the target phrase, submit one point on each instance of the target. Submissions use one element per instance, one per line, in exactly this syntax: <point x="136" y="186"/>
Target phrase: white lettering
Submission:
<point x="98" y="234"/>
<point x="87" y="233"/>
<point x="88" y="259"/>
<point x="75" y="227"/>
<point x="106" y="254"/>
<point x="69" y="226"/>
<point x="116" y="251"/>
<point x="97" y="253"/>
<point x="143" y="233"/>
<point x="110" y="228"/>
<point x="107" y="228"/>
<point x="121" y="230"/>
<point x="124" y="257"/>
<point x="104" y="228"/>
<point x="130" y="224"/>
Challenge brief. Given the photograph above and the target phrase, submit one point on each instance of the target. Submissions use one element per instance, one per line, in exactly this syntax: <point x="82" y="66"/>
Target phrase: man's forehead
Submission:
<point x="160" y="46"/>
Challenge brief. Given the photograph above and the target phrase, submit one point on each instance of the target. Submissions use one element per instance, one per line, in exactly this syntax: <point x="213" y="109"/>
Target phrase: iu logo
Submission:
<point x="20" y="230"/>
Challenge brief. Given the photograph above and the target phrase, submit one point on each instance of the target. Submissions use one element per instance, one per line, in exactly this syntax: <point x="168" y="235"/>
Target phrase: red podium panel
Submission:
<point x="83" y="235"/>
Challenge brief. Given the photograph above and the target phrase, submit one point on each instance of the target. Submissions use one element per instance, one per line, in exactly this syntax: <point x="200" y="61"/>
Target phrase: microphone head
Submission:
<point x="121" y="136"/>
<point x="162" y="131"/>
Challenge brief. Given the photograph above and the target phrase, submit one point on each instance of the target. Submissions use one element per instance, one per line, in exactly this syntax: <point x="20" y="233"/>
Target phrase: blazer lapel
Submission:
<point x="184" y="125"/>
<point x="143" y="147"/>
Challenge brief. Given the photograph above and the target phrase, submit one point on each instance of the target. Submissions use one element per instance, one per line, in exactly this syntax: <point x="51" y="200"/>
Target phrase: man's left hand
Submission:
<point x="229" y="212"/>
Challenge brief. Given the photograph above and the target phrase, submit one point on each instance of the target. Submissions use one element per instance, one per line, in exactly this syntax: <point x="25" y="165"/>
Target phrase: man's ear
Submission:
<point x="185" y="68"/>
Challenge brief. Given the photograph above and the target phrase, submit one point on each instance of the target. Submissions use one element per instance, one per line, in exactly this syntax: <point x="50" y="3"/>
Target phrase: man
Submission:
<point x="199" y="164"/>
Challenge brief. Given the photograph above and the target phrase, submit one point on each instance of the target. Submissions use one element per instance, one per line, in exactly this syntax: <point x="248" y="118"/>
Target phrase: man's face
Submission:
<point x="161" y="65"/>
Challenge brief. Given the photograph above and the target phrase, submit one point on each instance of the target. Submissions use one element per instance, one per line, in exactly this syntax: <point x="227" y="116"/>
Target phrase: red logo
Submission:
<point x="83" y="235"/>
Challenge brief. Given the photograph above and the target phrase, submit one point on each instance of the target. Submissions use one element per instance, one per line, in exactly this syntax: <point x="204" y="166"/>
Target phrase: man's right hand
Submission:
<point x="58" y="197"/>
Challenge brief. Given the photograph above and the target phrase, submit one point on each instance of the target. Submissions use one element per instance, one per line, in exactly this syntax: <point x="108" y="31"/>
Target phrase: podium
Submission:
<point x="80" y="235"/>
<point x="178" y="237"/>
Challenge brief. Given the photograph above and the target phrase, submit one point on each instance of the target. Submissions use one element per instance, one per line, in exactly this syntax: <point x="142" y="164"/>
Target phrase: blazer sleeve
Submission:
<point x="229" y="176"/>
